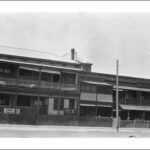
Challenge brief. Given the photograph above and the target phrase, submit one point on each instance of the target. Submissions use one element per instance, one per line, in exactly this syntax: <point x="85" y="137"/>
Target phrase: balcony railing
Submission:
<point x="49" y="85"/>
<point x="8" y="81"/>
<point x="69" y="87"/>
<point x="35" y="84"/>
<point x="134" y="101"/>
<point x="28" y="83"/>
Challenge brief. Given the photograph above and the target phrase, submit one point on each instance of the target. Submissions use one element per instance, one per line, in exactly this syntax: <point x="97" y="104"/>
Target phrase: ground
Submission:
<point x="29" y="131"/>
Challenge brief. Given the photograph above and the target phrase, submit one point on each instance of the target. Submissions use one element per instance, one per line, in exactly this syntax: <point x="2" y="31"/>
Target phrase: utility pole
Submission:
<point x="117" y="103"/>
<point x="38" y="101"/>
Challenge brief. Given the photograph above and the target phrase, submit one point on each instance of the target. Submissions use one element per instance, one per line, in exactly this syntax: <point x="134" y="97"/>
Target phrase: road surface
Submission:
<point x="34" y="131"/>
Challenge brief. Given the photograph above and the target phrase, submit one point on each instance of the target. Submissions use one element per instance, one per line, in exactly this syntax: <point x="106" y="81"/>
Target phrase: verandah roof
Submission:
<point x="132" y="107"/>
<point x="96" y="83"/>
<point x="133" y="88"/>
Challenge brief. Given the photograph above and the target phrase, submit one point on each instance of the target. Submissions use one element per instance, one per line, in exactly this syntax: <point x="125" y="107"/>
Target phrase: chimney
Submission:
<point x="72" y="54"/>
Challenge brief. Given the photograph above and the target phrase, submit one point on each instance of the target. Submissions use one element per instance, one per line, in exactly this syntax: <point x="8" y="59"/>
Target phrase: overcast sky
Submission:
<point x="100" y="38"/>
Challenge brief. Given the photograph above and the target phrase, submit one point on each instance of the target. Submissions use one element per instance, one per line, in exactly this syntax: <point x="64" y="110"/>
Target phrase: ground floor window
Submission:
<point x="134" y="115"/>
<point x="71" y="104"/>
<point x="104" y="111"/>
<point x="4" y="99"/>
<point x="43" y="109"/>
<point x="58" y="104"/>
<point x="95" y="111"/>
<point x="23" y="100"/>
<point x="87" y="110"/>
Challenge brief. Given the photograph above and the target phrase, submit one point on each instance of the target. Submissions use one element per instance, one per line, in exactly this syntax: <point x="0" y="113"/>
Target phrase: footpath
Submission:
<point x="69" y="128"/>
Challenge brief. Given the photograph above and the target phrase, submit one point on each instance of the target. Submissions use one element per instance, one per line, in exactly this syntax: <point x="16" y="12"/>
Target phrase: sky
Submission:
<point x="99" y="38"/>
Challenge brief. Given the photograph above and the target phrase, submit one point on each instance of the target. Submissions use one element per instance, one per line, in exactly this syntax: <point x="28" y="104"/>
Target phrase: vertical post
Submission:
<point x="79" y="89"/>
<point x="117" y="103"/>
<point x="96" y="103"/>
<point x="18" y="70"/>
<point x="128" y="118"/>
<point x="38" y="102"/>
<point x="59" y="94"/>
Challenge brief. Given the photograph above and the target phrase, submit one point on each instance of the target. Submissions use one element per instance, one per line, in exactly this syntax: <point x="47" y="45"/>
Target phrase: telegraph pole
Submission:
<point x="117" y="103"/>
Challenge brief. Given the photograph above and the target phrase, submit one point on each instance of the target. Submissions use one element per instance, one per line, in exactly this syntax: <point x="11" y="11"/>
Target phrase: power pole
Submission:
<point x="117" y="103"/>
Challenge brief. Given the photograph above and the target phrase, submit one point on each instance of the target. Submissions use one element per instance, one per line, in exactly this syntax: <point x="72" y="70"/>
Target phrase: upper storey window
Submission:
<point x="27" y="72"/>
<point x="5" y="70"/>
<point x="88" y="88"/>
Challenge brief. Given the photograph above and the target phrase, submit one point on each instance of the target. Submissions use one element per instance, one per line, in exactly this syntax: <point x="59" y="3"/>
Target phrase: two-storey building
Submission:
<point x="35" y="83"/>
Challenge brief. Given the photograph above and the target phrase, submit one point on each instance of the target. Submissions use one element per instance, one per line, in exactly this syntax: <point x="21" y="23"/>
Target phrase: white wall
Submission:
<point x="104" y="98"/>
<point x="66" y="103"/>
<point x="88" y="96"/>
<point x="100" y="97"/>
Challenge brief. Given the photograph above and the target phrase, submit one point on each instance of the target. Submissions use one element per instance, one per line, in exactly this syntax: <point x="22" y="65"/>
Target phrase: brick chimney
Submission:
<point x="72" y="54"/>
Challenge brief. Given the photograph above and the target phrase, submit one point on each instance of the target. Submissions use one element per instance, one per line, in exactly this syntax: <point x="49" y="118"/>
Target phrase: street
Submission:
<point x="29" y="131"/>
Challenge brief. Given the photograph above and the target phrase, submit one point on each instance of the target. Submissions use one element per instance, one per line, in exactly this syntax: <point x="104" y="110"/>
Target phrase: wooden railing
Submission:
<point x="8" y="81"/>
<point x="69" y="87"/>
<point x="35" y="84"/>
<point x="49" y="85"/>
<point x="137" y="102"/>
<point x="28" y="83"/>
<point x="133" y="101"/>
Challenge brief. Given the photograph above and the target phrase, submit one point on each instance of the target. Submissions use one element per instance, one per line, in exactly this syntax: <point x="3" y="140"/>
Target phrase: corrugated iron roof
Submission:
<point x="13" y="51"/>
<point x="36" y="64"/>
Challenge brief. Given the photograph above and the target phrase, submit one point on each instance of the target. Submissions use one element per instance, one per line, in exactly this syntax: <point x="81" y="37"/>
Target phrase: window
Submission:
<point x="29" y="73"/>
<point x="68" y="78"/>
<point x="4" y="99"/>
<point x="26" y="73"/>
<point x="1" y="70"/>
<point x="46" y="77"/>
<point x="61" y="104"/>
<point x="57" y="103"/>
<point x="23" y="100"/>
<point x="5" y="70"/>
<point x="88" y="88"/>
<point x="71" y="103"/>
<point x="105" y="90"/>
<point x="56" y="78"/>
<point x="132" y="94"/>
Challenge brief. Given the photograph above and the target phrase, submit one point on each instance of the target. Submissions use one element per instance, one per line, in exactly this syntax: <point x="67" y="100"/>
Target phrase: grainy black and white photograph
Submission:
<point x="74" y="74"/>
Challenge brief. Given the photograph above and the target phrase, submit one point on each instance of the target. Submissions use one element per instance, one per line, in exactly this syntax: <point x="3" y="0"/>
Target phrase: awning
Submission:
<point x="104" y="106"/>
<point x="29" y="68"/>
<point x="94" y="105"/>
<point x="97" y="83"/>
<point x="50" y="71"/>
<point x="133" y="88"/>
<point x="132" y="107"/>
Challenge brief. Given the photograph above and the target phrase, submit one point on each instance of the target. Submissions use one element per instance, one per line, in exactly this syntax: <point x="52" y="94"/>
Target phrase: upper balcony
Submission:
<point x="35" y="84"/>
<point x="37" y="78"/>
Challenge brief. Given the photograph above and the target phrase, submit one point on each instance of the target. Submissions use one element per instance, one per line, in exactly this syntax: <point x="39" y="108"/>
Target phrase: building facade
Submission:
<point x="31" y="86"/>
